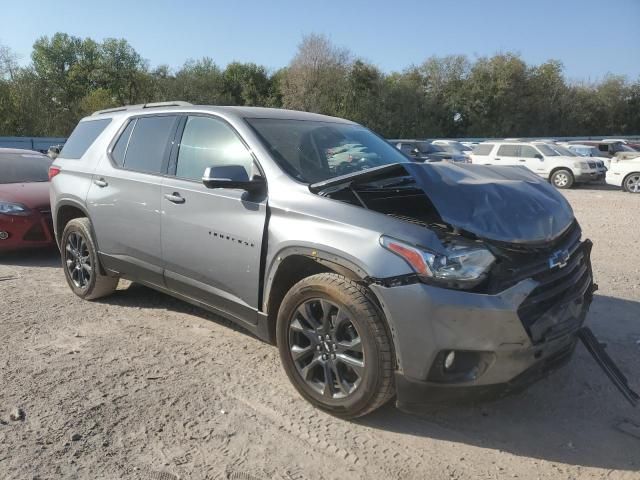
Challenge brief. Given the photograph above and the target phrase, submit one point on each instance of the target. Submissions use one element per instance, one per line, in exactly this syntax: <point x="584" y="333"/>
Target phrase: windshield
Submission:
<point x="24" y="167"/>
<point x="456" y="147"/>
<point x="312" y="151"/>
<point x="426" y="147"/>
<point x="564" y="151"/>
<point x="546" y="150"/>
<point x="449" y="148"/>
<point x="621" y="147"/>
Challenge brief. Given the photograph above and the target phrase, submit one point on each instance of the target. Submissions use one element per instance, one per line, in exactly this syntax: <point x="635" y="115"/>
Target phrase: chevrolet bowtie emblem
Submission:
<point x="559" y="259"/>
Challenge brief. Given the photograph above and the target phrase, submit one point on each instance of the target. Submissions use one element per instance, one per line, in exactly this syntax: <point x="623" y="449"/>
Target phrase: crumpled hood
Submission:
<point x="507" y="204"/>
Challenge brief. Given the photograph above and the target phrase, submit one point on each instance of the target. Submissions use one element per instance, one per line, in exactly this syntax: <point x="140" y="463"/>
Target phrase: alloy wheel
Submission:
<point x="633" y="183"/>
<point x="78" y="260"/>
<point x="326" y="348"/>
<point x="561" y="179"/>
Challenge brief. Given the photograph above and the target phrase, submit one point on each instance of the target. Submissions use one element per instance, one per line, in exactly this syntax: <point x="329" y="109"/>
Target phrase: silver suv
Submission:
<point x="375" y="276"/>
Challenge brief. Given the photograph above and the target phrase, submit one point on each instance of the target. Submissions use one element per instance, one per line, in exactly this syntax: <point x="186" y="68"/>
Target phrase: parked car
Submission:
<point x="589" y="151"/>
<point x="567" y="152"/>
<point x="454" y="147"/>
<point x="424" y="151"/>
<point x="25" y="214"/>
<point x="625" y="173"/>
<point x="609" y="148"/>
<point x="561" y="170"/>
<point x="426" y="282"/>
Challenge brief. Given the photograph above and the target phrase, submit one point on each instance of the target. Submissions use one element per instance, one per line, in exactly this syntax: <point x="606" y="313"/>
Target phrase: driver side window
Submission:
<point x="209" y="142"/>
<point x="528" y="152"/>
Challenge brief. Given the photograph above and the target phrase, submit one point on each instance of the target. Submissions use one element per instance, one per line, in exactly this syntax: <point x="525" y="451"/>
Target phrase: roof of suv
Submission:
<point x="238" y="111"/>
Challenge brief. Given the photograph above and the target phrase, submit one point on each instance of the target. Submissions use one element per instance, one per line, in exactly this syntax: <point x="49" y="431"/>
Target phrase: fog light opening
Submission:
<point x="449" y="359"/>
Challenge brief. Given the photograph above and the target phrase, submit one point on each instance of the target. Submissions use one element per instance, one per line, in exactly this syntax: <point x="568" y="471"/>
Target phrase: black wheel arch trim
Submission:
<point x="332" y="261"/>
<point x="58" y="235"/>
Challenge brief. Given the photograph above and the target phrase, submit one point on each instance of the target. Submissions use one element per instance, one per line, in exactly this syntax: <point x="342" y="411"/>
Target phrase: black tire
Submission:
<point x="631" y="183"/>
<point x="80" y="262"/>
<point x="359" y="354"/>
<point x="562" y="178"/>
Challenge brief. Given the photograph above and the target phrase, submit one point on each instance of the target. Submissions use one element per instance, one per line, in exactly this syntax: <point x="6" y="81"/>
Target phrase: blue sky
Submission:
<point x="592" y="38"/>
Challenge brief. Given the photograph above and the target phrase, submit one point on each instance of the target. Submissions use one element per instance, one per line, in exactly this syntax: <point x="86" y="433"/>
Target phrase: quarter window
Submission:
<point x="508" y="150"/>
<point x="83" y="137"/>
<point x="209" y="142"/>
<point x="149" y="144"/>
<point x="120" y="148"/>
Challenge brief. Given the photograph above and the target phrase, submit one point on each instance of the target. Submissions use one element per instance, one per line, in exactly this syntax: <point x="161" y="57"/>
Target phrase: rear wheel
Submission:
<point x="334" y="345"/>
<point x="631" y="183"/>
<point x="562" y="179"/>
<point x="80" y="262"/>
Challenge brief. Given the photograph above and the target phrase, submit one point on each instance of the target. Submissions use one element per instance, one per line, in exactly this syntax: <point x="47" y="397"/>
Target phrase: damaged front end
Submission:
<point x="505" y="290"/>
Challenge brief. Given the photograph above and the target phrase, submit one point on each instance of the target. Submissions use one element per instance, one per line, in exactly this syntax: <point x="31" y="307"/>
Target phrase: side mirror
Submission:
<point x="231" y="176"/>
<point x="538" y="156"/>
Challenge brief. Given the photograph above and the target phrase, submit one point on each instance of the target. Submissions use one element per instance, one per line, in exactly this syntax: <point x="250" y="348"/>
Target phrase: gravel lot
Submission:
<point x="139" y="385"/>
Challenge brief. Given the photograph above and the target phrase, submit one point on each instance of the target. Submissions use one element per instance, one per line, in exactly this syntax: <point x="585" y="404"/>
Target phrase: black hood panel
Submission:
<point x="507" y="204"/>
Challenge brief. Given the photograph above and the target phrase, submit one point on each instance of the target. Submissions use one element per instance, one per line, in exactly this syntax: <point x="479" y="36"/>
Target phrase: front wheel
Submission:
<point x="631" y="183"/>
<point x="562" y="179"/>
<point x="334" y="345"/>
<point x="80" y="262"/>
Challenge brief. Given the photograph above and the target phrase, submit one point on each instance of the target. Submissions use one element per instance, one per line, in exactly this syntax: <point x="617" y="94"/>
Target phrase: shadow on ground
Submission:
<point x="570" y="417"/>
<point x="597" y="186"/>
<point x="47" y="257"/>
<point x="574" y="416"/>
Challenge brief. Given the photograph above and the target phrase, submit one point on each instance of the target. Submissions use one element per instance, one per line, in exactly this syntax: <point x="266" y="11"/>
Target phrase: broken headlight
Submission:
<point x="464" y="265"/>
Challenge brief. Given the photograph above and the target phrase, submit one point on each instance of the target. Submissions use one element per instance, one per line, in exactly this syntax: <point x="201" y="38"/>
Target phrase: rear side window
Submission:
<point x="120" y="148"/>
<point x="149" y="144"/>
<point x="208" y="142"/>
<point x="83" y="137"/>
<point x="483" y="149"/>
<point x="508" y="150"/>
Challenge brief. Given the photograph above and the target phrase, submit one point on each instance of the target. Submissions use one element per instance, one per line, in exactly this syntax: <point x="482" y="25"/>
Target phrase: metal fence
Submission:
<point x="40" y="144"/>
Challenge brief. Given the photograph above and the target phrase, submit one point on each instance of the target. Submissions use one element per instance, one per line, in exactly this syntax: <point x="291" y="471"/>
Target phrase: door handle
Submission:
<point x="175" y="197"/>
<point x="101" y="182"/>
<point x="522" y="160"/>
<point x="497" y="159"/>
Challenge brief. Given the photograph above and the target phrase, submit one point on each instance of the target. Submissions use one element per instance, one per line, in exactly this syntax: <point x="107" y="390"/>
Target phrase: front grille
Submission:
<point x="555" y="306"/>
<point x="558" y="287"/>
<point x="517" y="262"/>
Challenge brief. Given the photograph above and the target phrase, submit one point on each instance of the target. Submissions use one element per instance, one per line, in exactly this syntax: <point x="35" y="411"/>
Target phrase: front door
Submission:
<point x="212" y="238"/>
<point x="534" y="163"/>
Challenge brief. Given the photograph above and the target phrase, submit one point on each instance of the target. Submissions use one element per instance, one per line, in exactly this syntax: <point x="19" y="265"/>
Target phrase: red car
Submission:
<point x="25" y="212"/>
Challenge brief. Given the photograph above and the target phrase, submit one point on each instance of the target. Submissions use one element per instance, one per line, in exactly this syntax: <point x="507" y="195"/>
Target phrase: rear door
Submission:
<point x="212" y="238"/>
<point x="124" y="199"/>
<point x="507" y="155"/>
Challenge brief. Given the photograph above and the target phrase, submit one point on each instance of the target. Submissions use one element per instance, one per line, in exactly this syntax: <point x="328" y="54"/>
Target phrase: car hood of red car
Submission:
<point x="32" y="195"/>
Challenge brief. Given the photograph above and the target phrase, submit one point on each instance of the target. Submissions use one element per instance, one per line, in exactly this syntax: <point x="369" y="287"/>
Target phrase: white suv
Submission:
<point x="541" y="158"/>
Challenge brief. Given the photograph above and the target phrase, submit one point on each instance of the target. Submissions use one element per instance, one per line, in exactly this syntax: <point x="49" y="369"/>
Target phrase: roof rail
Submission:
<point x="143" y="105"/>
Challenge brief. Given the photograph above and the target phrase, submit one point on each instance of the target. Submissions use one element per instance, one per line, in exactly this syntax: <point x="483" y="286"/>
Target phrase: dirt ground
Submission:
<point x="142" y="386"/>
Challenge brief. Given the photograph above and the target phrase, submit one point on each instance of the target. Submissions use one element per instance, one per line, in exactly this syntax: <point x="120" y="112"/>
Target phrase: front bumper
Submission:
<point x="590" y="176"/>
<point x="426" y="321"/>
<point x="29" y="231"/>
